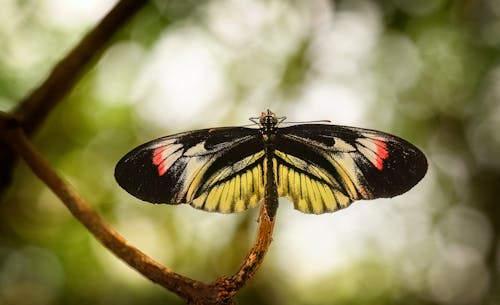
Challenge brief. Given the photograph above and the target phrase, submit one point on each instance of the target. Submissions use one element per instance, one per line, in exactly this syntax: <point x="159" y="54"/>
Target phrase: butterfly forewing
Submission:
<point x="219" y="169"/>
<point x="322" y="168"/>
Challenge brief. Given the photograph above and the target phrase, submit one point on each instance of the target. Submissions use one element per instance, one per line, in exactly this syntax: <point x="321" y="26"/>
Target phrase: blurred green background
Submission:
<point x="428" y="71"/>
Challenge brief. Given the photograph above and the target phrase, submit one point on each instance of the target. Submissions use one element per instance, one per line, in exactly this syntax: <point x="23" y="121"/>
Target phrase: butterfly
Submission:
<point x="319" y="167"/>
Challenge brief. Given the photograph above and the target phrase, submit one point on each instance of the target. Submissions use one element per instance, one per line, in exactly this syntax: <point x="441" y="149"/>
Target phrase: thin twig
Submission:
<point x="255" y="256"/>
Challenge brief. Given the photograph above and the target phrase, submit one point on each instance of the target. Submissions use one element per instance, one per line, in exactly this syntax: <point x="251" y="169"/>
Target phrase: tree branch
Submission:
<point x="254" y="258"/>
<point x="221" y="291"/>
<point x="111" y="239"/>
<point x="34" y="108"/>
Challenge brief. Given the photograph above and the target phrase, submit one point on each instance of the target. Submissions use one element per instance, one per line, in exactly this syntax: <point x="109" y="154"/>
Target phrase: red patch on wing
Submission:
<point x="158" y="155"/>
<point x="158" y="159"/>
<point x="382" y="153"/>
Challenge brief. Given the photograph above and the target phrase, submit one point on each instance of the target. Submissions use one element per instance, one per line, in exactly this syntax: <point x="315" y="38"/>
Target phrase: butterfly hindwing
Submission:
<point x="322" y="168"/>
<point x="219" y="169"/>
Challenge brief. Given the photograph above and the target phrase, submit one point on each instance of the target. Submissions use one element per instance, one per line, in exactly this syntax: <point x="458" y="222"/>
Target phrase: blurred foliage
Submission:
<point x="428" y="71"/>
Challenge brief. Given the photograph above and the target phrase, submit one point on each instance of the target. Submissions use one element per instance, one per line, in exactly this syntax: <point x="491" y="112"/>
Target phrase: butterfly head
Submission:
<point x="268" y="122"/>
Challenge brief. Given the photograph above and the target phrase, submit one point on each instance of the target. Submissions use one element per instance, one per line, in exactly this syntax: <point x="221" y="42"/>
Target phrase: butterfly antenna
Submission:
<point x="281" y="120"/>
<point x="302" y="122"/>
<point x="254" y="120"/>
<point x="250" y="125"/>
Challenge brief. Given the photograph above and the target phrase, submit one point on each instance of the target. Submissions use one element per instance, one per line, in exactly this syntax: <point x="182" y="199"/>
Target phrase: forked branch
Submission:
<point x="221" y="291"/>
<point x="252" y="261"/>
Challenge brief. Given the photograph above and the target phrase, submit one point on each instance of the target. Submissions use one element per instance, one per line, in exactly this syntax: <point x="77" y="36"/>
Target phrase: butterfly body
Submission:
<point x="320" y="167"/>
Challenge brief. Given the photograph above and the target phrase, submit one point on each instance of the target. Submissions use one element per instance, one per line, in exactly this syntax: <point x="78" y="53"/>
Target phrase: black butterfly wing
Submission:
<point x="219" y="169"/>
<point x="323" y="168"/>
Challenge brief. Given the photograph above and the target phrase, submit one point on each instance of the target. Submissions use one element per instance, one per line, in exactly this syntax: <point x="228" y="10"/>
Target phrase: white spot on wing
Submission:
<point x="167" y="150"/>
<point x="192" y="174"/>
<point x="198" y="149"/>
<point x="171" y="159"/>
<point x="368" y="144"/>
<point x="342" y="145"/>
<point x="369" y="154"/>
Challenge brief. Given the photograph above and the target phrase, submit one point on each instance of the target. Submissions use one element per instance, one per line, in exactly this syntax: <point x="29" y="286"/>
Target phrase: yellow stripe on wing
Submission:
<point x="310" y="188"/>
<point x="236" y="192"/>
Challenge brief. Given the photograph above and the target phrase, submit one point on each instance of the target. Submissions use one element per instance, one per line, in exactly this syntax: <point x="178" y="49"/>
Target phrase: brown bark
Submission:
<point x="35" y="108"/>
